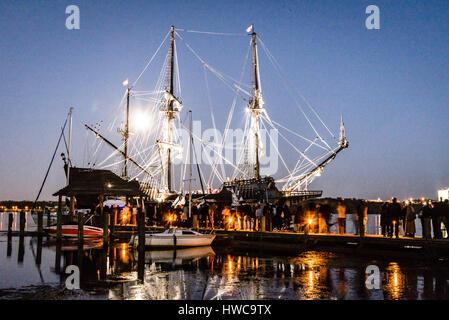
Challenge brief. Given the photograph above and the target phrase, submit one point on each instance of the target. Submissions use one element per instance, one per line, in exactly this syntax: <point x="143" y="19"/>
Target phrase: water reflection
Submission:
<point x="120" y="272"/>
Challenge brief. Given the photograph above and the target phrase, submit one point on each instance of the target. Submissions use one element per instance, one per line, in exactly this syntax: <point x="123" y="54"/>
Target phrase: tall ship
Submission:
<point x="164" y="159"/>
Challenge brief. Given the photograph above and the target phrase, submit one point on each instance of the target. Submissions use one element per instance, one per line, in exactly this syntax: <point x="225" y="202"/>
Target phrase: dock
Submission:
<point x="292" y="242"/>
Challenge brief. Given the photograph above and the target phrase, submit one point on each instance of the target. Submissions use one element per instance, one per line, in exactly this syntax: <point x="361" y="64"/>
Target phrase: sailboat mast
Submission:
<point x="70" y="145"/>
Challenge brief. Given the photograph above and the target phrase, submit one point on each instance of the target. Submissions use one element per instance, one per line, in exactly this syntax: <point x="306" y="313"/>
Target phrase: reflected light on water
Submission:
<point x="210" y="273"/>
<point x="394" y="281"/>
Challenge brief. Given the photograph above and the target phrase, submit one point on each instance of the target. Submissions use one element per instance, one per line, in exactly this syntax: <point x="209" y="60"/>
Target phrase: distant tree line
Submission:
<point x="25" y="203"/>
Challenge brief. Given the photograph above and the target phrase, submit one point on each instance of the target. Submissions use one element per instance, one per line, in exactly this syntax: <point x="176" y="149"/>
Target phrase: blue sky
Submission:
<point x="391" y="84"/>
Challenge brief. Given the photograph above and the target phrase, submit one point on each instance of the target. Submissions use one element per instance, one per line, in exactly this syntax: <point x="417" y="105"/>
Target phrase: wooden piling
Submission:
<point x="22" y="223"/>
<point x="80" y="258"/>
<point x="39" y="250"/>
<point x="72" y="207"/>
<point x="21" y="251"/>
<point x="195" y="224"/>
<point x="104" y="264"/>
<point x="48" y="217"/>
<point x="141" y="247"/>
<point x="40" y="222"/>
<point x="141" y="226"/>
<point x="10" y="222"/>
<point x="80" y="227"/>
<point x="113" y="221"/>
<point x="105" y="215"/>
<point x="9" y="246"/>
<point x="58" y="257"/>
<point x="262" y="224"/>
<point x="59" y="219"/>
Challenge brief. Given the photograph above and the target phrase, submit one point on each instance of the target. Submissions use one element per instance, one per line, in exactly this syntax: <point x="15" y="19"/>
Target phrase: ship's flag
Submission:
<point x="250" y="28"/>
<point x="125" y="83"/>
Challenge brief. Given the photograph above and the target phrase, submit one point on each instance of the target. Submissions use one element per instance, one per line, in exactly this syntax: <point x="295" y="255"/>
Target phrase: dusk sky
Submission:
<point x="391" y="84"/>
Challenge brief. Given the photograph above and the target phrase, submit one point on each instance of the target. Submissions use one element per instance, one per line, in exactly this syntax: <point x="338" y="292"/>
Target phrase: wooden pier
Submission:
<point x="284" y="242"/>
<point x="289" y="242"/>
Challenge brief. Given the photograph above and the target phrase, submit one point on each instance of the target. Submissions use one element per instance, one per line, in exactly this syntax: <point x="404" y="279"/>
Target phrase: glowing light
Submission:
<point x="310" y="221"/>
<point x="125" y="83"/>
<point x="140" y="120"/>
<point x="170" y="218"/>
<point x="230" y="220"/>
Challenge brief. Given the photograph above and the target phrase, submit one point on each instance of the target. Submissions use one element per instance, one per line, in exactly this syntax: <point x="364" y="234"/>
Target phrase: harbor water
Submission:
<point x="33" y="268"/>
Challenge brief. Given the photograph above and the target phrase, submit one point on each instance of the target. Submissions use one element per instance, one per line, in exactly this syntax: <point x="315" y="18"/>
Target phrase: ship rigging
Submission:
<point x="151" y="156"/>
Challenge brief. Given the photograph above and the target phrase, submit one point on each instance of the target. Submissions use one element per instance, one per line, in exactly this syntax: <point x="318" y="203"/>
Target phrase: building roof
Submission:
<point x="86" y="181"/>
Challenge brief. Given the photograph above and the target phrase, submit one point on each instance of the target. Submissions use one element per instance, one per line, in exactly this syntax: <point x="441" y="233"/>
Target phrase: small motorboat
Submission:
<point x="71" y="231"/>
<point x="175" y="237"/>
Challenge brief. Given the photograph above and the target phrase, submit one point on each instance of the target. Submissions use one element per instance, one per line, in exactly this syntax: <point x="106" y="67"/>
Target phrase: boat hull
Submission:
<point x="155" y="240"/>
<point x="71" y="231"/>
<point x="178" y="256"/>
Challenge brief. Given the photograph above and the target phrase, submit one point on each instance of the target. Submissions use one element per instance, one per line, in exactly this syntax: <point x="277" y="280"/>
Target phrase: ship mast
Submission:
<point x="255" y="103"/>
<point x="170" y="106"/>
<point x="126" y="137"/>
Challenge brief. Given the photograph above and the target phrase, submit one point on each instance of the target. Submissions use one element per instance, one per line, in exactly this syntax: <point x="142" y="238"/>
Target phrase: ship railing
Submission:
<point x="303" y="193"/>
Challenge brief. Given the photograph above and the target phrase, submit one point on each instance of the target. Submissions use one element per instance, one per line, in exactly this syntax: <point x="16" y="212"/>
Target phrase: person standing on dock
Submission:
<point x="362" y="217"/>
<point x="299" y="217"/>
<point x="426" y="219"/>
<point x="436" y="220"/>
<point x="252" y="217"/>
<point x="310" y="217"/>
<point x="341" y="212"/>
<point x="384" y="219"/>
<point x="323" y="217"/>
<point x="204" y="213"/>
<point x="211" y="213"/>
<point x="395" y="214"/>
<point x="259" y="215"/>
<point x="410" y="217"/>
<point x="445" y="216"/>
<point x="285" y="216"/>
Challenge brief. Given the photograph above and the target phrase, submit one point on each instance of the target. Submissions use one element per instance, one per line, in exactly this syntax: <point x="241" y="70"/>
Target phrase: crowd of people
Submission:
<point x="310" y="217"/>
<point x="432" y="215"/>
